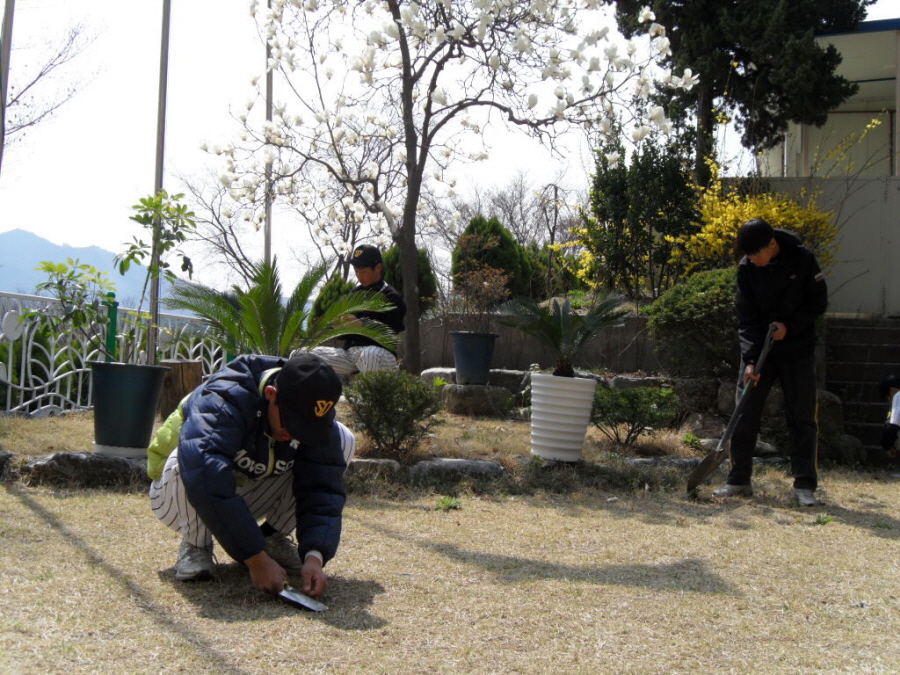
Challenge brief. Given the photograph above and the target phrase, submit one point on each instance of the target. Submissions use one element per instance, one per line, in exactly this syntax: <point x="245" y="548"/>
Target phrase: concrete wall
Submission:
<point x="622" y="350"/>
<point x="867" y="211"/>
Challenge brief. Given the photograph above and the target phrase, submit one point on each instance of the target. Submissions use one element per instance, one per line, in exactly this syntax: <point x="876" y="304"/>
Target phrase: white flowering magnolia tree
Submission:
<point x="375" y="98"/>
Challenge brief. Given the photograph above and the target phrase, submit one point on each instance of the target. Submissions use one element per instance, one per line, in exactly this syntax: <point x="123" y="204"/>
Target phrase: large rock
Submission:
<point x="5" y="457"/>
<point x="373" y="468"/>
<point x="454" y="468"/>
<point x="86" y="469"/>
<point x="480" y="400"/>
<point x="634" y="382"/>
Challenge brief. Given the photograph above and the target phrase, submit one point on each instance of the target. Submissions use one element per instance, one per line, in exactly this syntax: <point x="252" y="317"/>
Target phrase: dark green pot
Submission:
<point x="125" y="398"/>
<point x="472" y="356"/>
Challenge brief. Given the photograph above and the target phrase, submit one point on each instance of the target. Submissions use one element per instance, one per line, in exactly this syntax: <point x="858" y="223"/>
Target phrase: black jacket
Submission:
<point x="790" y="289"/>
<point x="224" y="441"/>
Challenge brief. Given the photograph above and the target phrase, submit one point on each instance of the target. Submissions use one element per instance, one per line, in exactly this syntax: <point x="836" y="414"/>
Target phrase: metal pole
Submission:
<point x="5" y="48"/>
<point x="267" y="227"/>
<point x="158" y="183"/>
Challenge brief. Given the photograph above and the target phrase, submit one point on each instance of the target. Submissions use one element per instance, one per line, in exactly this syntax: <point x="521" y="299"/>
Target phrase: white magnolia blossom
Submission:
<point x="639" y="133"/>
<point x="340" y="138"/>
<point x="612" y="158"/>
<point x="646" y="15"/>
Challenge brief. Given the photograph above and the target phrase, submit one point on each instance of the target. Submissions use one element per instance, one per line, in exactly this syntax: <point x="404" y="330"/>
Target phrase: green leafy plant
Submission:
<point x="169" y="223"/>
<point x="559" y="328"/>
<point x="823" y="519"/>
<point x="259" y="320"/>
<point x="394" y="408"/>
<point x="692" y="441"/>
<point x="81" y="290"/>
<point x="447" y="503"/>
<point x="622" y="415"/>
<point x="694" y="324"/>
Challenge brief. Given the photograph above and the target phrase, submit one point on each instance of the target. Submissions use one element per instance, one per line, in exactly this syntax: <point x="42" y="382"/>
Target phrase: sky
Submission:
<point x="73" y="179"/>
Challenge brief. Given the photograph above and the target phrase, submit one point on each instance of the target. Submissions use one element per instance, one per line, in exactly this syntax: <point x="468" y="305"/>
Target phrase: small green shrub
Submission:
<point x="448" y="503"/>
<point x="694" y="325"/>
<point x="622" y="415"/>
<point x="394" y="408"/>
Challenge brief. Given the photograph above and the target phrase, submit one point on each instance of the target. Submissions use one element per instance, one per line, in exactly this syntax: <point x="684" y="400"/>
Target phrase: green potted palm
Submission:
<point x="561" y="402"/>
<point x="260" y="320"/>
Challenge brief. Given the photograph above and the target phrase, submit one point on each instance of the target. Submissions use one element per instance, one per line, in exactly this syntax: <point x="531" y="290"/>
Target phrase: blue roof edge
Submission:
<point x="868" y="27"/>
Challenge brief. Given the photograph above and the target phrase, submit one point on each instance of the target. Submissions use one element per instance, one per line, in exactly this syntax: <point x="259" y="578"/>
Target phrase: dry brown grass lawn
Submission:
<point x="590" y="581"/>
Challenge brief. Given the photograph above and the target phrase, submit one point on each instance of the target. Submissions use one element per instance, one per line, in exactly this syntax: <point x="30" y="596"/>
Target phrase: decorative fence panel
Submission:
<point x="42" y="372"/>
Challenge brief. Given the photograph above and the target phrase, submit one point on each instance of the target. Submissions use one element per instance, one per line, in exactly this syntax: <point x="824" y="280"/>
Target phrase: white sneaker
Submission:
<point x="195" y="563"/>
<point x="805" y="497"/>
<point x="734" y="491"/>
<point x="283" y="551"/>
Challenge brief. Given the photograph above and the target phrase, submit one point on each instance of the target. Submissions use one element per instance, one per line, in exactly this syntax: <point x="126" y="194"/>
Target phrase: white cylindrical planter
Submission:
<point x="560" y="412"/>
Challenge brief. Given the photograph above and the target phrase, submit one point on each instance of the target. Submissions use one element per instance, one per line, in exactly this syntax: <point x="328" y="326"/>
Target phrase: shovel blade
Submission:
<point x="701" y="472"/>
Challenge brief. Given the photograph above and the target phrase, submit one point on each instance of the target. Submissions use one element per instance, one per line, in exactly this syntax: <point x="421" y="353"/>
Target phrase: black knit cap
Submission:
<point x="308" y="390"/>
<point x="365" y="255"/>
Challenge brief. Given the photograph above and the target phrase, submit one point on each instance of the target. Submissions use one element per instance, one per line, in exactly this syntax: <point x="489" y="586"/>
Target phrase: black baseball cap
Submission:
<point x="365" y="255"/>
<point x="308" y="390"/>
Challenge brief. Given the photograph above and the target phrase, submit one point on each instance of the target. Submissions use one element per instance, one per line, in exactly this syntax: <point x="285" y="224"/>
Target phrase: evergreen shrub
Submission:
<point x="395" y="409"/>
<point x="694" y="325"/>
<point x="622" y="415"/>
<point x="331" y="290"/>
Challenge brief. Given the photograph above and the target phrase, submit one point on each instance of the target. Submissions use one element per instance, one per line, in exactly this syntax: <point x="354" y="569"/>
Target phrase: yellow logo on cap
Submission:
<point x="358" y="252"/>
<point x="322" y="408"/>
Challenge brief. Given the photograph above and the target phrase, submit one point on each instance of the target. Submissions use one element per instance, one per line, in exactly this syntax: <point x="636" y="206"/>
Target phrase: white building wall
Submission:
<point x="866" y="276"/>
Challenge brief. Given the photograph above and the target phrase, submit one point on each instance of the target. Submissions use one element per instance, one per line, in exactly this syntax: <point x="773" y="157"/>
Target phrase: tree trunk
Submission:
<point x="182" y="378"/>
<point x="705" y="149"/>
<point x="409" y="257"/>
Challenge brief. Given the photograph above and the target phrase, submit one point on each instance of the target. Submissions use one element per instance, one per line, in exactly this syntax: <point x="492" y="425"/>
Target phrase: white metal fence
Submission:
<point x="42" y="372"/>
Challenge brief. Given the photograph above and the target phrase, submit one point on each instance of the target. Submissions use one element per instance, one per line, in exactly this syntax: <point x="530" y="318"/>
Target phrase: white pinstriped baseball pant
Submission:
<point x="271" y="499"/>
<point x="356" y="359"/>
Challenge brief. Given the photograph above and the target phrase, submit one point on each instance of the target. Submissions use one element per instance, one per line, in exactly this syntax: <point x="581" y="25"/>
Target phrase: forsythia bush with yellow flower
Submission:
<point x="724" y="210"/>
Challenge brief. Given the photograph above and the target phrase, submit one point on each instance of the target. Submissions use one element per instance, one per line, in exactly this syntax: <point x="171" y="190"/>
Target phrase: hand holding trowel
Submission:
<point x="712" y="461"/>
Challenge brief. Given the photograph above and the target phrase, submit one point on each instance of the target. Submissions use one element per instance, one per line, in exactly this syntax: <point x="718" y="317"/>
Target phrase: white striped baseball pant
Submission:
<point x="356" y="359"/>
<point x="271" y="499"/>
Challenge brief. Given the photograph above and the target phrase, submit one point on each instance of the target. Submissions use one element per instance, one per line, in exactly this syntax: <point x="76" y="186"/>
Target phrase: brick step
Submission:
<point x="888" y="354"/>
<point x="855" y="392"/>
<point x="865" y="412"/>
<point x="862" y="334"/>
<point x="858" y="372"/>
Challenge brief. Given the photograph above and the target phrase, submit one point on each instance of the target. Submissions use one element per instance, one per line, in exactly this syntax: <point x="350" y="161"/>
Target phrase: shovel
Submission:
<point x="712" y="461"/>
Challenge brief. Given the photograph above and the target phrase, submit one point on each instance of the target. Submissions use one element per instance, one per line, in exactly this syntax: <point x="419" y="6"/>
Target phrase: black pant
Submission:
<point x="798" y="382"/>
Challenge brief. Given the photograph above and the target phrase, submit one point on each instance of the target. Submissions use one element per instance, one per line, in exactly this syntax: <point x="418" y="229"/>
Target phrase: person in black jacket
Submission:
<point x="257" y="441"/>
<point x="778" y="283"/>
<point x="361" y="354"/>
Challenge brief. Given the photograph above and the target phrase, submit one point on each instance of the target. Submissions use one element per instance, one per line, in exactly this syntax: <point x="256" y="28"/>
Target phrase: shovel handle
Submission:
<point x="736" y="415"/>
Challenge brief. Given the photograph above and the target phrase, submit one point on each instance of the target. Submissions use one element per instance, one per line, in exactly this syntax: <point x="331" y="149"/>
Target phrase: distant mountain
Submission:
<point x="21" y="252"/>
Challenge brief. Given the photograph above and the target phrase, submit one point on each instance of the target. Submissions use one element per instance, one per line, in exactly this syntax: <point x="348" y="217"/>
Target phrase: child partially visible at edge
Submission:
<point x="889" y="391"/>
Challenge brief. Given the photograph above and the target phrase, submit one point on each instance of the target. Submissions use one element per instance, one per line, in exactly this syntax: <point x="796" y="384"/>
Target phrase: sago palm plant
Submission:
<point x="560" y="328"/>
<point x="260" y="320"/>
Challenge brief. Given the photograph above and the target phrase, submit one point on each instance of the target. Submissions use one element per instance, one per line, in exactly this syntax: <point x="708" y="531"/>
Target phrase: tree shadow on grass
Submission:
<point x="231" y="597"/>
<point x="181" y="634"/>
<point x="689" y="575"/>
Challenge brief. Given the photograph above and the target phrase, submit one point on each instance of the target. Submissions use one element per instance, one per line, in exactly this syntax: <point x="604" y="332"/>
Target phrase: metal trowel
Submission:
<point x="295" y="597"/>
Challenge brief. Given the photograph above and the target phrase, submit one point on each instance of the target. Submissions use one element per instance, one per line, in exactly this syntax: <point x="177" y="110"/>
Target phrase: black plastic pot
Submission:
<point x="125" y="398"/>
<point x="472" y="356"/>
